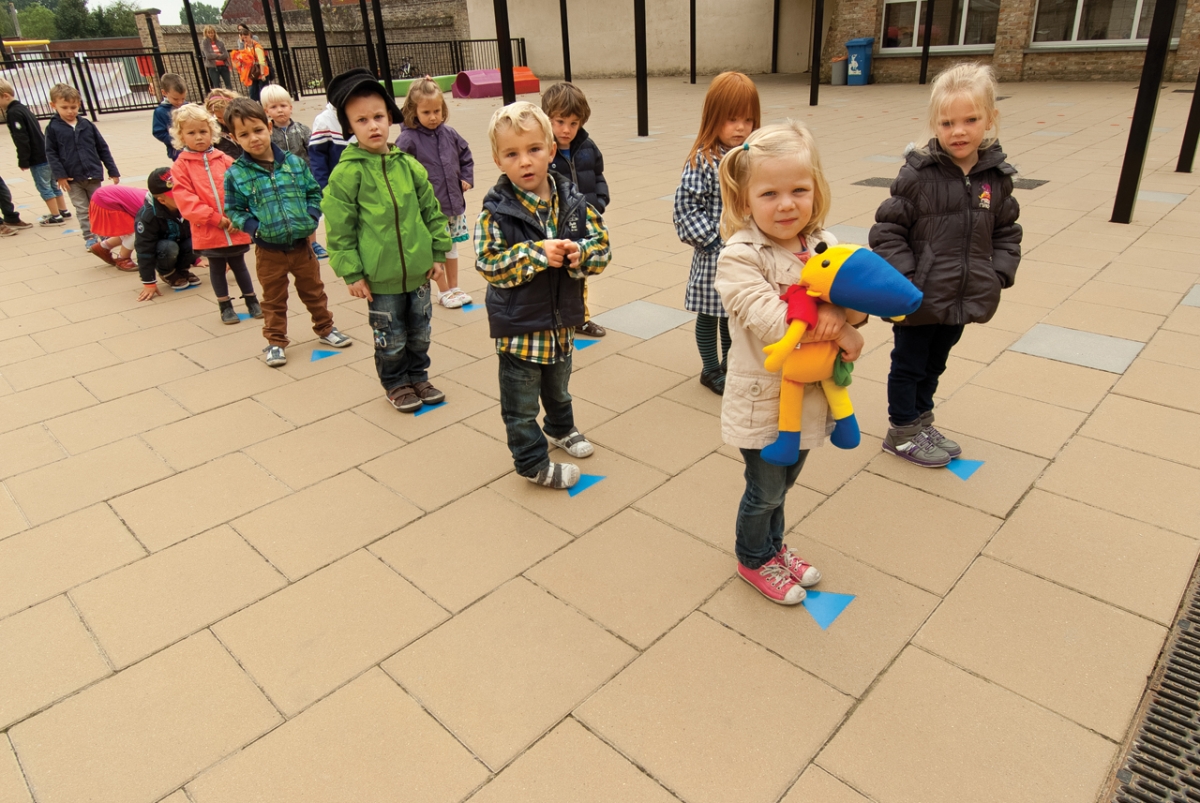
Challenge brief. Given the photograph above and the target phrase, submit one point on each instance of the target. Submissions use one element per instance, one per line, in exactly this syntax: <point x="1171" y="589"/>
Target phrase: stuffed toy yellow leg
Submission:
<point x="813" y="362"/>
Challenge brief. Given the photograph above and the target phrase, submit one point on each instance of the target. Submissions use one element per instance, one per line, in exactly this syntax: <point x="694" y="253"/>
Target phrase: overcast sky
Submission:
<point x="171" y="9"/>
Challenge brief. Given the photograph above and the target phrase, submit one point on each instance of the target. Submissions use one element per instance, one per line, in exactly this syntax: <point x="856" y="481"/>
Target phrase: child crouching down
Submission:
<point x="536" y="239"/>
<point x="163" y="239"/>
<point x="775" y="200"/>
<point x="387" y="237"/>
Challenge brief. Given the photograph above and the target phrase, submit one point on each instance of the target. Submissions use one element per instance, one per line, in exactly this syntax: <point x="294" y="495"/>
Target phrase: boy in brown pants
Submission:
<point x="272" y="196"/>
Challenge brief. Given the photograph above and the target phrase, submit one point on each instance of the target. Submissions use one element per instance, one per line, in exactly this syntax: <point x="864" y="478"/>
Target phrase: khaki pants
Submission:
<point x="273" y="268"/>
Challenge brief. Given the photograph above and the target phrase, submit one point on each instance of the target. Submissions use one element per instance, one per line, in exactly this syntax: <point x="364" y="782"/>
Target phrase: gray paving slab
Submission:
<point x="854" y="235"/>
<point x="1112" y="354"/>
<point x="643" y="319"/>
<point x="1161" y="197"/>
<point x="1192" y="299"/>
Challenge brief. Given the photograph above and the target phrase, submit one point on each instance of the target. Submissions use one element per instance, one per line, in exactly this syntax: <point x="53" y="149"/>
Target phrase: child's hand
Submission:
<point x="436" y="272"/>
<point x="465" y="185"/>
<point x="574" y="254"/>
<point x="24" y="169"/>
<point x="830" y="321"/>
<point x="226" y="223"/>
<point x="555" y="250"/>
<point x="64" y="184"/>
<point x="850" y="342"/>
<point x="149" y="291"/>
<point x="116" y="179"/>
<point x="361" y="289"/>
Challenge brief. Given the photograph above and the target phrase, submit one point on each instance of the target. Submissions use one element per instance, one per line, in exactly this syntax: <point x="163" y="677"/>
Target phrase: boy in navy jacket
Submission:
<point x="77" y="154"/>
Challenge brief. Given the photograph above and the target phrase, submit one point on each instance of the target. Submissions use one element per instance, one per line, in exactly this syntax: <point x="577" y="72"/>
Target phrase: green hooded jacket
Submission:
<point x="382" y="220"/>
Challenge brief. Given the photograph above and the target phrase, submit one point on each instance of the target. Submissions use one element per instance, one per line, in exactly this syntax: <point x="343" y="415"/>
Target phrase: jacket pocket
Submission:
<point x="924" y="265"/>
<point x="753" y="401"/>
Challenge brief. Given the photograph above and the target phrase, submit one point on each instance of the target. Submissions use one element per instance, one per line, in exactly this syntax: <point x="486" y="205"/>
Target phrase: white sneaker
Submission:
<point x="450" y="300"/>
<point x="462" y="296"/>
<point x="559" y="476"/>
<point x="335" y="339"/>
<point x="574" y="444"/>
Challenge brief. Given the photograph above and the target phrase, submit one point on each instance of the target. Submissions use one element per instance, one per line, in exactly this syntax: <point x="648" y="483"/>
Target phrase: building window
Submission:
<point x="1098" y="20"/>
<point x="904" y="23"/>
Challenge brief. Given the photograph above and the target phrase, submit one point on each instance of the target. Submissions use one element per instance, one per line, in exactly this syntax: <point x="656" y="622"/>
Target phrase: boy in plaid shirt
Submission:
<point x="272" y="196"/>
<point x="536" y="239"/>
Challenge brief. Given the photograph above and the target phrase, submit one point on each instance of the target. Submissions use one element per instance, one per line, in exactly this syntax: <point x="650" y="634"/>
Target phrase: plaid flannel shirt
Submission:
<point x="697" y="218"/>
<point x="508" y="266"/>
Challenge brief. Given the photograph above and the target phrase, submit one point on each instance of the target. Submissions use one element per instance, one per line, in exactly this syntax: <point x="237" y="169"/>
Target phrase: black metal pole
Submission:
<point x="158" y="61"/>
<point x="291" y="81"/>
<point x="775" y="38"/>
<point x="1143" y="110"/>
<point x="639" y="55"/>
<point x="692" y="32"/>
<point x="1191" y="133"/>
<point x="926" y="41"/>
<point x="191" y="21"/>
<point x="385" y="61"/>
<point x="814" y="88"/>
<point x="508" y="84"/>
<point x="566" y="36"/>
<point x="314" y="8"/>
<point x="270" y="18"/>
<point x="362" y="8"/>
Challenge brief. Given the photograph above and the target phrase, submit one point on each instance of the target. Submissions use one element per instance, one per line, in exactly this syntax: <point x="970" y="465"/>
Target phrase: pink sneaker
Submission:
<point x="774" y="581"/>
<point x="805" y="573"/>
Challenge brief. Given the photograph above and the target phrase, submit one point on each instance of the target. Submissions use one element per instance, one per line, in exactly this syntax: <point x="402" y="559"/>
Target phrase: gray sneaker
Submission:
<point x="335" y="339"/>
<point x="912" y="442"/>
<point x="275" y="356"/>
<point x="941" y="441"/>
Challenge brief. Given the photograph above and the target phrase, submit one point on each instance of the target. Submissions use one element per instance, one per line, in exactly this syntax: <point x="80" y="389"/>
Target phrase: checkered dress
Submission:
<point x="698" y="223"/>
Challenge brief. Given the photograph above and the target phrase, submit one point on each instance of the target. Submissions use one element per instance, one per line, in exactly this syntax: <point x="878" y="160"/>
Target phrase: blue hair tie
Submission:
<point x="745" y="146"/>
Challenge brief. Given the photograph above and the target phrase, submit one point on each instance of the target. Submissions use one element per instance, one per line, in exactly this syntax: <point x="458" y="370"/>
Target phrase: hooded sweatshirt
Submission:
<point x="383" y="221"/>
<point x="446" y="156"/>
<point x="200" y="194"/>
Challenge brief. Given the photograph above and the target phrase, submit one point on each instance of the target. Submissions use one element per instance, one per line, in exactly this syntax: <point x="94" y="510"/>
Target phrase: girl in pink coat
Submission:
<point x="112" y="210"/>
<point x="199" y="176"/>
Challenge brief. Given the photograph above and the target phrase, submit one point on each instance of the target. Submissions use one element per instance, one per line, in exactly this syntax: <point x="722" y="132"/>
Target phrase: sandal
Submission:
<point x="590" y="329"/>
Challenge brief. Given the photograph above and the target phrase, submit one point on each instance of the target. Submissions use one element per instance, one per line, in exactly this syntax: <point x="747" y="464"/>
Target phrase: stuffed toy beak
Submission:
<point x="868" y="283"/>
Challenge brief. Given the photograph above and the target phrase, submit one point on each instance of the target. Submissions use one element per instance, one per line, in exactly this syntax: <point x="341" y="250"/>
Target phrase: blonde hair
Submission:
<point x="273" y="93"/>
<point x="418" y="90"/>
<point x="772" y="142"/>
<point x="209" y="32"/>
<point x="521" y="115"/>
<point x="730" y="95"/>
<point x="63" y="92"/>
<point x="967" y="79"/>
<point x="6" y="88"/>
<point x="216" y="102"/>
<point x="191" y="113"/>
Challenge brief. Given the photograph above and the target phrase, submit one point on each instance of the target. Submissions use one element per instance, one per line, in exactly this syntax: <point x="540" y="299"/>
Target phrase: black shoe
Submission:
<point x="65" y="215"/>
<point x="252" y="306"/>
<point x="228" y="316"/>
<point x="714" y="381"/>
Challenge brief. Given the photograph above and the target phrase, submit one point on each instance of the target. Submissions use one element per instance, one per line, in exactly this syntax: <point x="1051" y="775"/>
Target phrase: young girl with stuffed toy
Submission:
<point x="950" y="226"/>
<point x="447" y="158"/>
<point x="775" y="202"/>
<point x="731" y="112"/>
<point x="199" y="175"/>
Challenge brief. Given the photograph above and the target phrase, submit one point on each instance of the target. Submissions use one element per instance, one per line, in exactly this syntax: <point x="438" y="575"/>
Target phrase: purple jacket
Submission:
<point x="447" y="158"/>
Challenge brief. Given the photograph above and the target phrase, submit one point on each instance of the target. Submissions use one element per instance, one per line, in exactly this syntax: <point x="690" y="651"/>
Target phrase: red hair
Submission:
<point x="730" y="95"/>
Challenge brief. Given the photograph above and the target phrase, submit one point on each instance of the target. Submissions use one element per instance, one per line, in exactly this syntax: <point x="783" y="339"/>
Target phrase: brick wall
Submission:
<point x="907" y="70"/>
<point x="1012" y="33"/>
<point x="1120" y="65"/>
<point x="850" y="19"/>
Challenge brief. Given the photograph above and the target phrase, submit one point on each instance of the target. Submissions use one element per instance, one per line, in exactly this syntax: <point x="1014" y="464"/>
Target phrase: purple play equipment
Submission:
<point x="486" y="83"/>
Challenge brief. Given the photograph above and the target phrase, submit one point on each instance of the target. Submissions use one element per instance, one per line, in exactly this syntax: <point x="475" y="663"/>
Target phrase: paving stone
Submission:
<point x="620" y="383"/>
<point x="1112" y="354"/>
<point x="12" y="781"/>
<point x="1170" y="385"/>
<point x="321" y="449"/>
<point x="1192" y="299"/>
<point x="651" y="434"/>
<point x="111" y="421"/>
<point x="1145" y="427"/>
<point x="36" y="405"/>
<point x="130" y="377"/>
<point x="28" y="448"/>
<point x="319" y="396"/>
<point x="817" y="784"/>
<point x="643" y="318"/>
<point x="1045" y="380"/>
<point x="1019" y="423"/>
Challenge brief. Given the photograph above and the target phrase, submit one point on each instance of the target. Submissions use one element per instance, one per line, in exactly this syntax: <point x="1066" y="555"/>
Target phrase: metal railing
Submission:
<point x="32" y="75"/>
<point x="408" y="59"/>
<point x="127" y="80"/>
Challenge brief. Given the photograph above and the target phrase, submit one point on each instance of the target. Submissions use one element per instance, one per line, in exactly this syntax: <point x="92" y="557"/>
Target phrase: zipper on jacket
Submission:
<point x="396" y="212"/>
<point x="213" y="186"/>
<point x="966" y="258"/>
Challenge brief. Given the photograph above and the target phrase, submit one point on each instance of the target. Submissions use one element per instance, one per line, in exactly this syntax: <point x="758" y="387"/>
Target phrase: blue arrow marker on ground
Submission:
<point x="70" y="231"/>
<point x="428" y="407"/>
<point x="23" y="206"/>
<point x="319" y="354"/>
<point x="963" y="469"/>
<point x="825" y="606"/>
<point x="585" y="481"/>
<point x="243" y="316"/>
<point x="181" y="289"/>
<point x="580" y="343"/>
<point x="470" y="307"/>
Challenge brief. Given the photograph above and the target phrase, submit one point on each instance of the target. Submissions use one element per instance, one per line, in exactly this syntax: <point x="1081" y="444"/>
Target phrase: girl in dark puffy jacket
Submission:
<point x="950" y="226"/>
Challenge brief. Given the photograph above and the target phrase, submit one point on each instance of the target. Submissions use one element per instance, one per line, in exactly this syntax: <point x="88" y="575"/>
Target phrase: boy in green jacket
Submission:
<point x="387" y="237"/>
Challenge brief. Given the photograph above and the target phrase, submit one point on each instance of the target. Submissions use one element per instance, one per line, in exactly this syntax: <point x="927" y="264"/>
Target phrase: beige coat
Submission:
<point x="752" y="272"/>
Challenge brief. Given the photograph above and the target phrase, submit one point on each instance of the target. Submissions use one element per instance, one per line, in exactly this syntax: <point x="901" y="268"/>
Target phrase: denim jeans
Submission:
<point x="521" y="384"/>
<point x="759" y="529"/>
<point x="219" y="76"/>
<point x="43" y="179"/>
<point x="918" y="361"/>
<point x="402" y="340"/>
<point x="170" y="260"/>
<point x="6" y="205"/>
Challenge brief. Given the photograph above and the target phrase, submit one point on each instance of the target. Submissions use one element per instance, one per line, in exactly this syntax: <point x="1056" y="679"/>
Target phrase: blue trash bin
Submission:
<point x="858" y="71"/>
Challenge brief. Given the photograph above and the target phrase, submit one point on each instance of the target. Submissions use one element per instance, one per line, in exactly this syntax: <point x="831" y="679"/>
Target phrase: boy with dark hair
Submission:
<point x="163" y="239"/>
<point x="578" y="159"/>
<point x="31" y="155"/>
<point x="174" y="93"/>
<point x="536" y="239"/>
<point x="272" y="196"/>
<point x="387" y="237"/>
<point x="78" y="155"/>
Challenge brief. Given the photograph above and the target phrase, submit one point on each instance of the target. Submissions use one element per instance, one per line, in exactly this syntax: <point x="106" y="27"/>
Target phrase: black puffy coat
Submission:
<point x="955" y="237"/>
<point x="585" y="168"/>
<point x="26" y="135"/>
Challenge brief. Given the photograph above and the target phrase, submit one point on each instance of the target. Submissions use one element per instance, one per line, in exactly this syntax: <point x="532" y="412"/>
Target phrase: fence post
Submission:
<point x="366" y="21"/>
<point x="1191" y="132"/>
<point x="639" y="58"/>
<point x="314" y="8"/>
<point x="814" y="88"/>
<point x="158" y="61"/>
<point x="88" y="92"/>
<point x="279" y="75"/>
<point x="504" y="51"/>
<point x="196" y="71"/>
<point x="692" y="38"/>
<point x="191" y="22"/>
<point x="926" y="41"/>
<point x="293" y="82"/>
<point x="385" y="61"/>
<point x="456" y="56"/>
<point x="566" y="39"/>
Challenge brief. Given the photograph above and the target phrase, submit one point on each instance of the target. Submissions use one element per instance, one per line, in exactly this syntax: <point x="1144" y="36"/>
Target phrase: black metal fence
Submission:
<point x="408" y="59"/>
<point x="32" y="75"/>
<point x="127" y="80"/>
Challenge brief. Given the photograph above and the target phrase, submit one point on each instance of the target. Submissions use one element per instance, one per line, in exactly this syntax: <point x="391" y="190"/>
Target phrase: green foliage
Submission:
<point x="204" y="14"/>
<point x="115" y="19"/>
<point x="6" y="28"/>
<point x="74" y="21"/>
<point x="37" y="22"/>
<point x="24" y="4"/>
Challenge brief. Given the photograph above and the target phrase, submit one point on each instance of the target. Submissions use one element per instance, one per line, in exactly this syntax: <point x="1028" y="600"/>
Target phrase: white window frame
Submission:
<point x="1131" y="42"/>
<point x="919" y="20"/>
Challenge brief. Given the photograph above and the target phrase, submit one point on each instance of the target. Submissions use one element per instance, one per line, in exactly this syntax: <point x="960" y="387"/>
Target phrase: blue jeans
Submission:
<point x="6" y="205"/>
<point x="521" y="384"/>
<point x="170" y="260"/>
<point x="918" y="362"/>
<point x="43" y="179"/>
<point x="401" y="326"/>
<point x="759" y="529"/>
